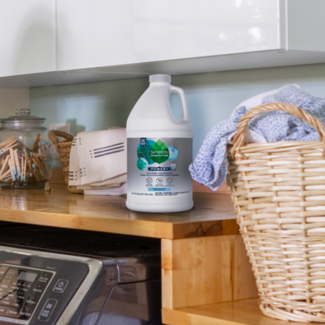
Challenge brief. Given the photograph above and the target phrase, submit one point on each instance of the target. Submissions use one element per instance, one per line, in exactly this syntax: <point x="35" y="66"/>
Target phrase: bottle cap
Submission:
<point x="160" y="78"/>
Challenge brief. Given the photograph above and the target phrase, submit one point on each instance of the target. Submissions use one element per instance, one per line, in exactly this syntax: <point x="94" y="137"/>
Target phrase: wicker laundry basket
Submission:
<point x="64" y="148"/>
<point x="278" y="191"/>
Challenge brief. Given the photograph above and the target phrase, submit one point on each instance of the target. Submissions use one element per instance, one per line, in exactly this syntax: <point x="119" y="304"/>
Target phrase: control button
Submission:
<point x="60" y="286"/>
<point x="13" y="300"/>
<point x="32" y="300"/>
<point x="39" y="288"/>
<point x="27" y="312"/>
<point x="13" y="288"/>
<point x="20" y="283"/>
<point x="21" y="294"/>
<point x="12" y="312"/>
<point x="40" y="285"/>
<point x="47" y="310"/>
<point x="5" y="302"/>
<point x="17" y="304"/>
<point x="14" y="304"/>
<point x="23" y="284"/>
<point x="3" y="310"/>
<point x="45" y="277"/>
<point x="20" y="297"/>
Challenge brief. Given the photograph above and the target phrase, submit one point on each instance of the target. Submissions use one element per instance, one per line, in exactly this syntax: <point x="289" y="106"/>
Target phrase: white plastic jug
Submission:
<point x="159" y="151"/>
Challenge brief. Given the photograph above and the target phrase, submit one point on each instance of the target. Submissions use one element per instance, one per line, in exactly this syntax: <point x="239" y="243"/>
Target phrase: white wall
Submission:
<point x="211" y="97"/>
<point x="11" y="99"/>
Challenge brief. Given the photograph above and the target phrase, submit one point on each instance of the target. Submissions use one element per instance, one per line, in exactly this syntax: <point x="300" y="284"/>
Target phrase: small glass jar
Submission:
<point x="25" y="151"/>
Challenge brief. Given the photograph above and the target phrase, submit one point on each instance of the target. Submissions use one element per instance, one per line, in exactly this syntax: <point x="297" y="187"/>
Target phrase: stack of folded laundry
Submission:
<point x="210" y="165"/>
<point x="98" y="162"/>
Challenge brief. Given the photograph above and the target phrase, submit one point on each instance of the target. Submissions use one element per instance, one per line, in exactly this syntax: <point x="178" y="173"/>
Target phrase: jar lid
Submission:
<point x="23" y="114"/>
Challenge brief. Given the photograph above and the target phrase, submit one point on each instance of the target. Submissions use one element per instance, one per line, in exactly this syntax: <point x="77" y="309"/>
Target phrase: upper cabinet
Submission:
<point x="109" y="32"/>
<point x="68" y="41"/>
<point x="28" y="37"/>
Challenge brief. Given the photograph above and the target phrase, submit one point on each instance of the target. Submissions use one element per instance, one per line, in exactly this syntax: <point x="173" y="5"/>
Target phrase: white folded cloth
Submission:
<point x="98" y="162"/>
<point x="110" y="191"/>
<point x="115" y="182"/>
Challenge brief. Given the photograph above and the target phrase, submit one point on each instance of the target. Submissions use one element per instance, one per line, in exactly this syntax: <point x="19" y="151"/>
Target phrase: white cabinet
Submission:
<point x="48" y="42"/>
<point x="99" y="33"/>
<point x="27" y="36"/>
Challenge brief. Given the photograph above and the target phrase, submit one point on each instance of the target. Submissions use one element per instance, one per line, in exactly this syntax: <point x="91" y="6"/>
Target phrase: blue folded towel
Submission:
<point x="210" y="165"/>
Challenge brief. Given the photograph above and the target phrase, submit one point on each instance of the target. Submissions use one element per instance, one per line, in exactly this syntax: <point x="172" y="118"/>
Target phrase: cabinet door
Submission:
<point x="27" y="34"/>
<point x="95" y="33"/>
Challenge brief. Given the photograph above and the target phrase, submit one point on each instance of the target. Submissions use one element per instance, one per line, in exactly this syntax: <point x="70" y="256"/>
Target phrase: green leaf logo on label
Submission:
<point x="159" y="153"/>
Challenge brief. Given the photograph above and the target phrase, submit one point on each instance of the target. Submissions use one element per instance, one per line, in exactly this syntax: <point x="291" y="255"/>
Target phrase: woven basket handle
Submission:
<point x="54" y="134"/>
<point x="239" y="139"/>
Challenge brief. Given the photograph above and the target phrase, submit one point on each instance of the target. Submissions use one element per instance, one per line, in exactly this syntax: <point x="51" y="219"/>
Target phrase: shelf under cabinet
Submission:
<point x="213" y="214"/>
<point x="244" y="312"/>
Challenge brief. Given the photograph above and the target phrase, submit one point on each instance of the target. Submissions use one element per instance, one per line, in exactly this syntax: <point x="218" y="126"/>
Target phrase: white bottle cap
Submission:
<point x="160" y="78"/>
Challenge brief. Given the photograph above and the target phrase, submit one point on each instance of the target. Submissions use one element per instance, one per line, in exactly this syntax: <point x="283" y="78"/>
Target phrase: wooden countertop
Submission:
<point x="212" y="215"/>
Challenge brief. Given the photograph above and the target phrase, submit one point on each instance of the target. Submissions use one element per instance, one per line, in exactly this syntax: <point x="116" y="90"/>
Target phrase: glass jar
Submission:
<point x="25" y="151"/>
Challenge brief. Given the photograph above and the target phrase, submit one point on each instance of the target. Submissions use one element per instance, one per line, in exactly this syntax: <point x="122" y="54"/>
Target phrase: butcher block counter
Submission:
<point x="206" y="274"/>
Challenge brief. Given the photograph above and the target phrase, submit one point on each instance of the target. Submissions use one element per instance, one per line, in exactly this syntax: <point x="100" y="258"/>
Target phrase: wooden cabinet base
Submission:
<point x="244" y="312"/>
<point x="209" y="281"/>
<point x="205" y="270"/>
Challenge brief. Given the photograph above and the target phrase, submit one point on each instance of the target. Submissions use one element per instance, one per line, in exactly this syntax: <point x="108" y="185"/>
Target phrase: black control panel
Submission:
<point x="36" y="289"/>
<point x="21" y="290"/>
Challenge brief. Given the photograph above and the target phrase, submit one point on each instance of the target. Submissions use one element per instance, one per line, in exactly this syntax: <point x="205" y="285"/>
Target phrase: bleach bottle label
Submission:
<point x="159" y="167"/>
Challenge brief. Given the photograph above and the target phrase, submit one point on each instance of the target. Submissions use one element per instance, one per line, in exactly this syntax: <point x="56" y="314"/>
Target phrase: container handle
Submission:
<point x="181" y="94"/>
<point x="54" y="134"/>
<point x="239" y="138"/>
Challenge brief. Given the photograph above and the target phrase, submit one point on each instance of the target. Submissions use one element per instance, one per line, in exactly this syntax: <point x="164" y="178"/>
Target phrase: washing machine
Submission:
<point x="73" y="277"/>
